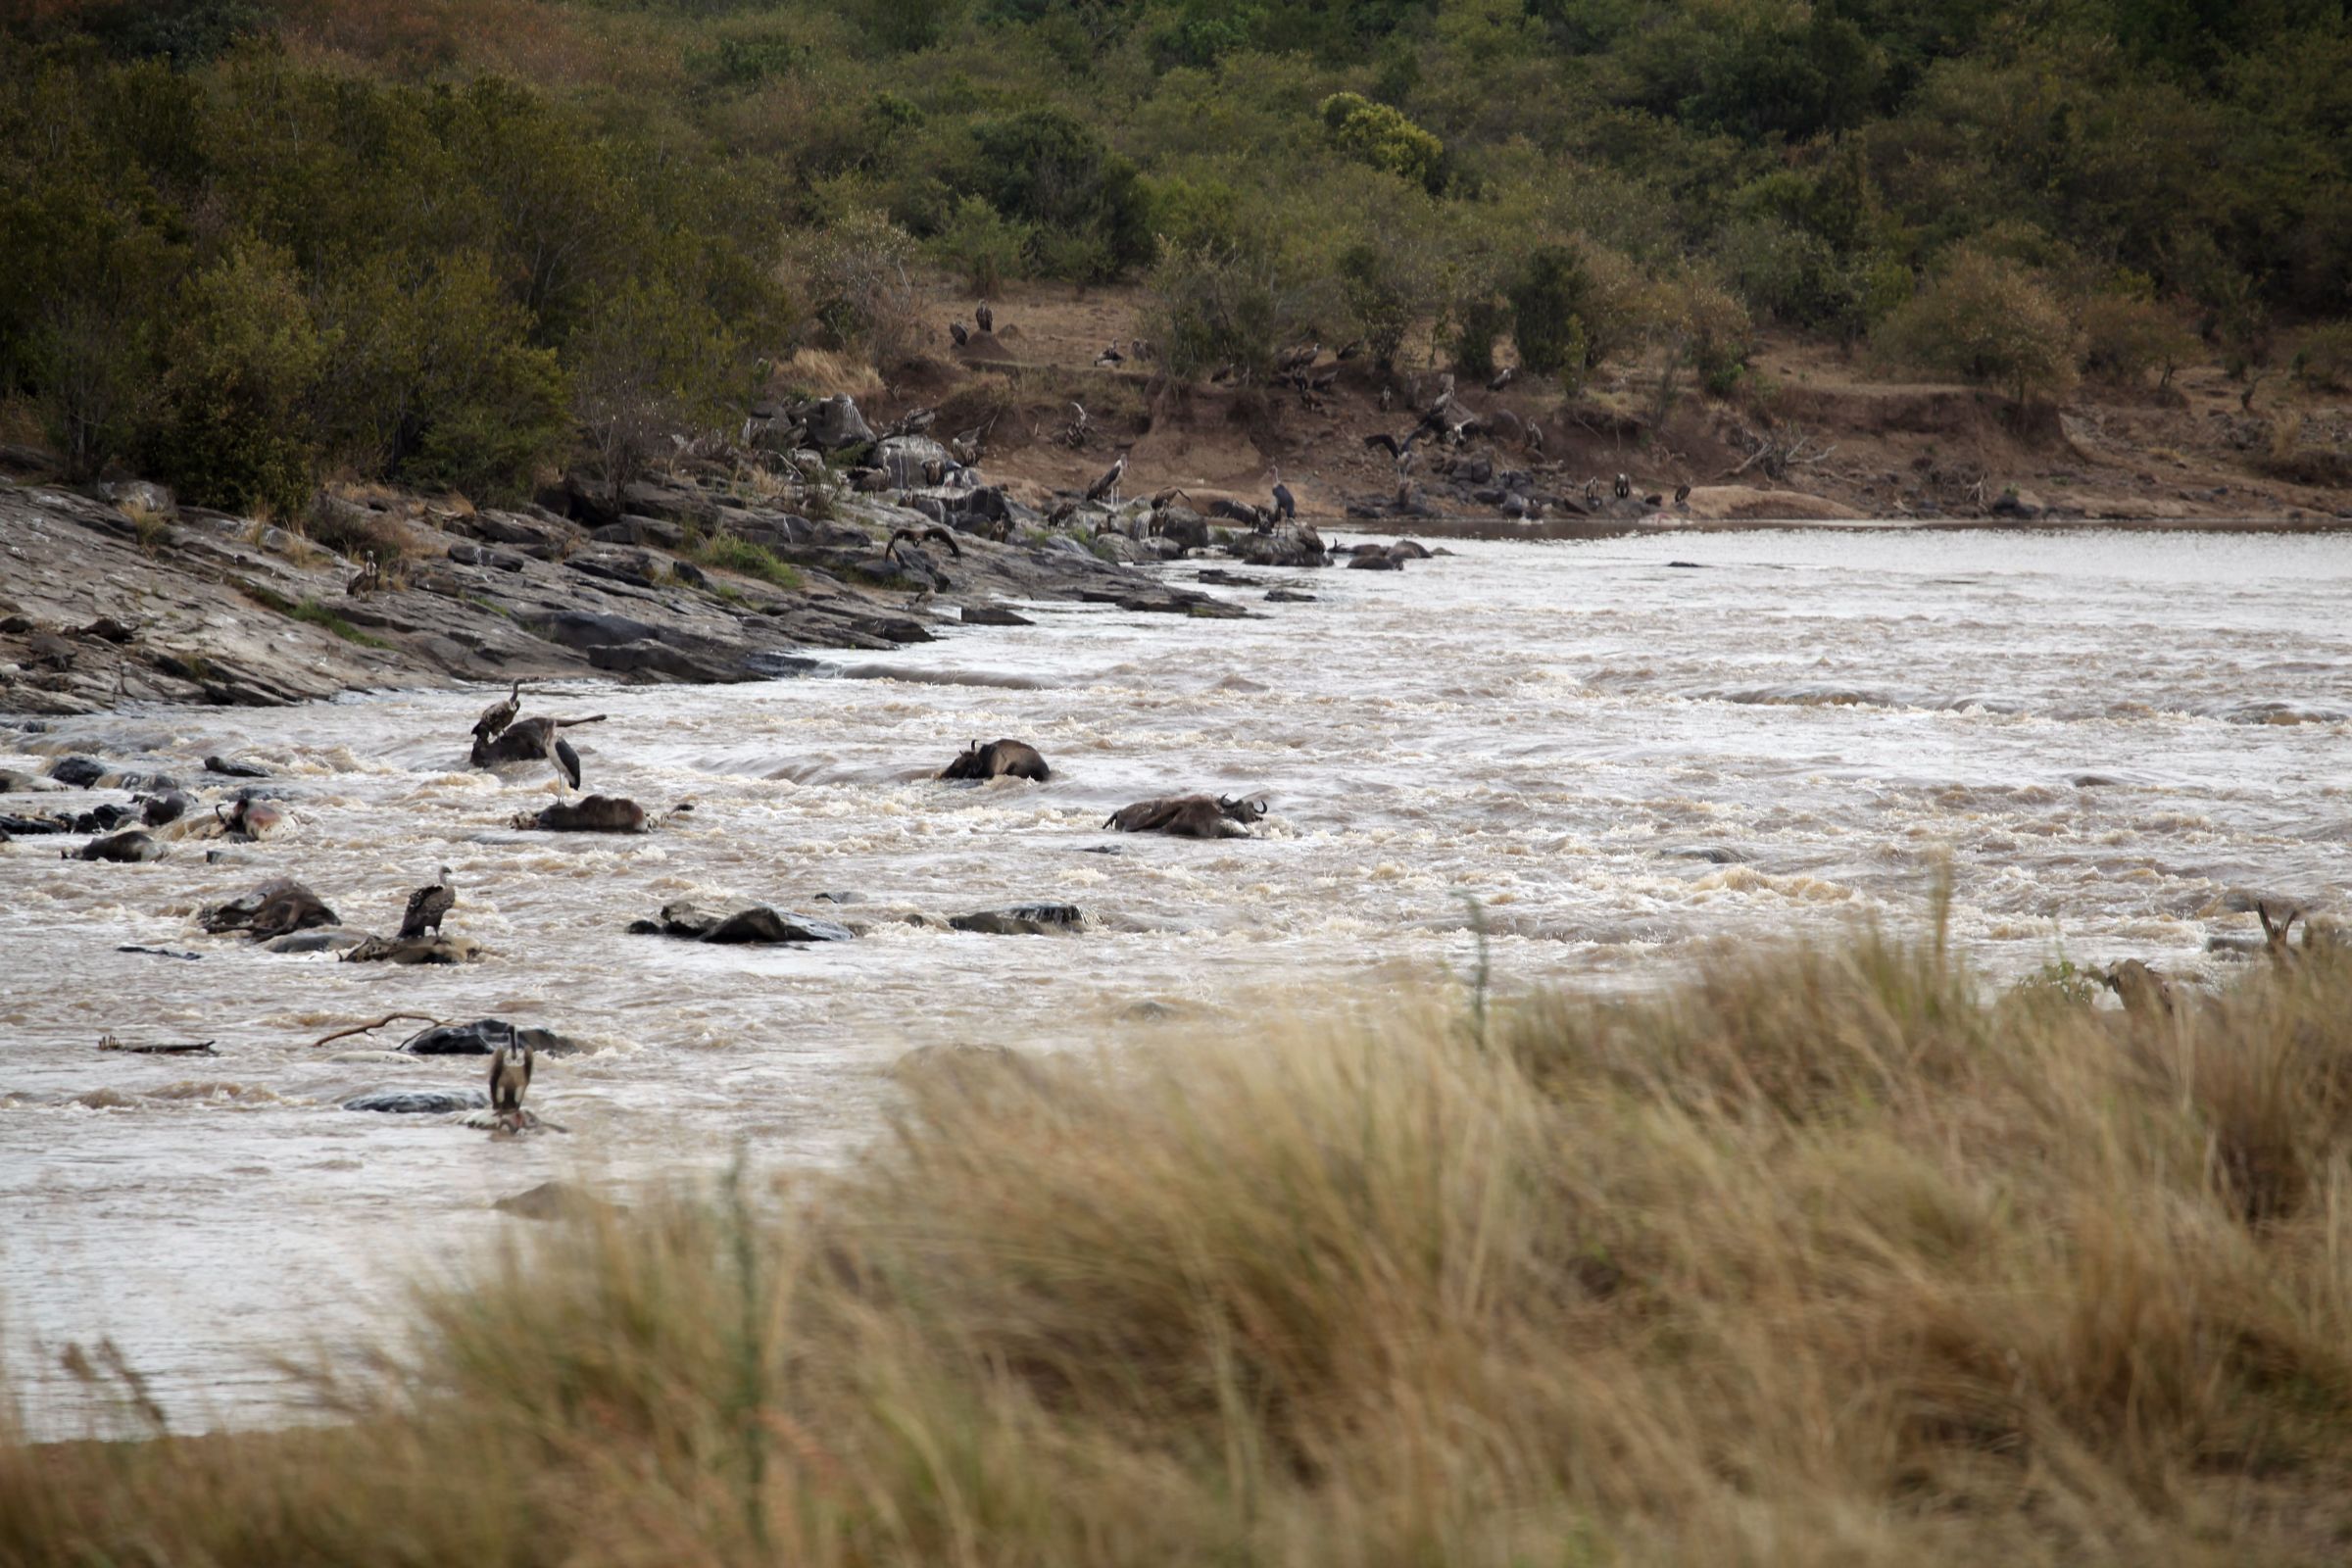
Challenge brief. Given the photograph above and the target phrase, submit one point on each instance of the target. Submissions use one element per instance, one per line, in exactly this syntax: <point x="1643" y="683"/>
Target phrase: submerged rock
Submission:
<point x="483" y="1036"/>
<point x="327" y="939"/>
<point x="1024" y="920"/>
<point x="230" y="768"/>
<point x="81" y="772"/>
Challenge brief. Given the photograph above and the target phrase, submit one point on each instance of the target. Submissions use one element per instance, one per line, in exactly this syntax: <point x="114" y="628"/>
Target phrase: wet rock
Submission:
<point x="26" y="826"/>
<point x="714" y="665"/>
<point x="994" y="616"/>
<point x="1376" y="560"/>
<point x="1712" y="853"/>
<point x="483" y="1036"/>
<point x="102" y="818"/>
<point x="1291" y="545"/>
<point x="593" y="813"/>
<point x="1284" y="596"/>
<point x="231" y="768"/>
<point x="1023" y="920"/>
<point x="81" y="772"/>
<point x="1183" y="527"/>
<point x="483" y="555"/>
<point x="13" y="782"/>
<point x="634" y="568"/>
<point x="123" y="849"/>
<point x="420" y="1102"/>
<point x="1220" y="577"/>
<point x="434" y="948"/>
<point x="835" y="424"/>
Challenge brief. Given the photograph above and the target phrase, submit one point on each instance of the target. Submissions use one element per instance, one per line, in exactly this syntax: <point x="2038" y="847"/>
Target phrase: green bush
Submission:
<point x="2125" y="338"/>
<point x="1987" y="320"/>
<point x="982" y="247"/>
<point x="1381" y="137"/>
<point x="235" y="426"/>
<point x="1214" y="306"/>
<point x="1049" y="169"/>
<point x="1546" y="305"/>
<point x="2324" y="360"/>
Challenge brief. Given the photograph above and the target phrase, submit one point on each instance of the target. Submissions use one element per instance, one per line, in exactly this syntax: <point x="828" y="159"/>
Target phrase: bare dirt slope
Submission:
<point x="1843" y="441"/>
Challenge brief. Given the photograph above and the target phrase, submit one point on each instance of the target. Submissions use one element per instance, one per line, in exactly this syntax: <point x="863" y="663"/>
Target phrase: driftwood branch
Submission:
<point x="363" y="1028"/>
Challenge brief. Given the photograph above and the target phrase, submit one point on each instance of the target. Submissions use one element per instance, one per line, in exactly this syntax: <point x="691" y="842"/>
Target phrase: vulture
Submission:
<point x="985" y="316"/>
<point x="1109" y="485"/>
<point x="1682" y="494"/>
<point x="510" y="1076"/>
<point x="426" y="905"/>
<point x="1111" y="356"/>
<point x="955" y="330"/>
<point x="1501" y="379"/>
<point x="917" y="535"/>
<point x="498" y="715"/>
<point x="1285" y="507"/>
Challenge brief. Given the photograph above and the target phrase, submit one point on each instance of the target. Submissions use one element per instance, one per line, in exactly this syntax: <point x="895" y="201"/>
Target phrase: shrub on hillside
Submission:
<point x="982" y="247"/>
<point x="1217" y="305"/>
<point x="235" y="426"/>
<point x="2324" y="360"/>
<point x="1988" y="320"/>
<point x="1049" y="169"/>
<point x="652" y="362"/>
<point x="2125" y="338"/>
<point x="1380" y="135"/>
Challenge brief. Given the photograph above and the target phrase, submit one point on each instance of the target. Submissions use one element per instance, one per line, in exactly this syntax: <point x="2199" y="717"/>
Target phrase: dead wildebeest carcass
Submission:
<point x="999" y="758"/>
<point x="1191" y="817"/>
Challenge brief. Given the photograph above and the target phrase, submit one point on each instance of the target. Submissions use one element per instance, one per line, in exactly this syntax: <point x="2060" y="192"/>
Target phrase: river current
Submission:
<point x="1620" y="749"/>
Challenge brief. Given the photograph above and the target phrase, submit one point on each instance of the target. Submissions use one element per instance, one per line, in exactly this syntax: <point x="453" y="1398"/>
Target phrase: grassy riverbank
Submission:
<point x="1821" y="1256"/>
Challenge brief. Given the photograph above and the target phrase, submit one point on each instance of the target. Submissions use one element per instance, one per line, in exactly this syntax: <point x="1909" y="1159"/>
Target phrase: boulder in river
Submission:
<point x="230" y="768"/>
<point x="81" y="772"/>
<point x="322" y="939"/>
<point x="483" y="1036"/>
<point x="420" y="1102"/>
<point x="1024" y="920"/>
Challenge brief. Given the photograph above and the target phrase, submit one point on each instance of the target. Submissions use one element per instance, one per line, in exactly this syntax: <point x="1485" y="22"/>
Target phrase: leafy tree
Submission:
<point x="237" y="426"/>
<point x="1051" y="169"/>
<point x="651" y="362"/>
<point x="1381" y="137"/>
<point x="1217" y="305"/>
<point x="1986" y="319"/>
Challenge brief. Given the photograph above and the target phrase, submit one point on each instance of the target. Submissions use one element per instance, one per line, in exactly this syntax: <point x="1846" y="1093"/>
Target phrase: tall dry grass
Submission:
<point x="1829" y="1256"/>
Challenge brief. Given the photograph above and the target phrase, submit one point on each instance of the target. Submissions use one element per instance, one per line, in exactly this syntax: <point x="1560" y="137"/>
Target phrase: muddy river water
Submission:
<point x="1619" y="748"/>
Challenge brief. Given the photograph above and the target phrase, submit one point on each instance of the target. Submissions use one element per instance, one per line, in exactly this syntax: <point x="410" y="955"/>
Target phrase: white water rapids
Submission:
<point x="1617" y="756"/>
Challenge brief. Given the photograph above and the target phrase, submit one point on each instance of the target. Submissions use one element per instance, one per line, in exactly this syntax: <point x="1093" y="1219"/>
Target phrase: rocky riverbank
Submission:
<point x="116" y="595"/>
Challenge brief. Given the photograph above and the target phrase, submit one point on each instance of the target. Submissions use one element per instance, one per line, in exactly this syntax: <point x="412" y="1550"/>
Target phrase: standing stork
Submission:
<point x="426" y="905"/>
<point x="1109" y="485"/>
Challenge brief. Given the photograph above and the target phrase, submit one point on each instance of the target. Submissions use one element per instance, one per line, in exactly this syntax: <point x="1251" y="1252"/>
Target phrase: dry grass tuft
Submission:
<point x="1827" y="1257"/>
<point x="823" y="374"/>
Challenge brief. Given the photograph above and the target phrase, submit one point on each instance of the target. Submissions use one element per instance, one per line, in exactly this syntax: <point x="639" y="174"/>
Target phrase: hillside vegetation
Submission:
<point x="1824" y="1257"/>
<point x="455" y="243"/>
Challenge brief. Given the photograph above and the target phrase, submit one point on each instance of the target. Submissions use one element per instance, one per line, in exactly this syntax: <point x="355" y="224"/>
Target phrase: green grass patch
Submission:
<point x="312" y="612"/>
<point x="728" y="552"/>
